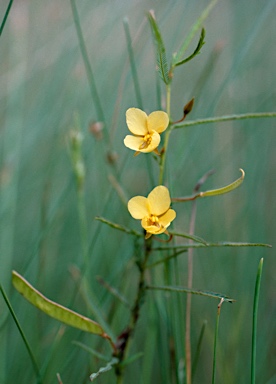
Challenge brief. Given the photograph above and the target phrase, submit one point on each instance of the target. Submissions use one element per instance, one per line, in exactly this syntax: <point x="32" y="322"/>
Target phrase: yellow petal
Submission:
<point x="155" y="140"/>
<point x="136" y="120"/>
<point x="159" y="200"/>
<point x="158" y="121"/>
<point x="133" y="142"/>
<point x="166" y="219"/>
<point x="138" y="207"/>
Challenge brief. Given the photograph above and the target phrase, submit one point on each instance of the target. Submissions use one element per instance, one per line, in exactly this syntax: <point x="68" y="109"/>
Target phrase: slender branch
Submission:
<point x="220" y="119"/>
<point x="124" y="338"/>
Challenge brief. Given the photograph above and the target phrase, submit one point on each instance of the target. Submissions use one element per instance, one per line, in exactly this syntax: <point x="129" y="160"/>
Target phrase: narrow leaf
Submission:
<point x="200" y="44"/>
<point x="226" y="189"/>
<point x="192" y="291"/>
<point x="178" y="56"/>
<point x="53" y="309"/>
<point x="161" y="58"/>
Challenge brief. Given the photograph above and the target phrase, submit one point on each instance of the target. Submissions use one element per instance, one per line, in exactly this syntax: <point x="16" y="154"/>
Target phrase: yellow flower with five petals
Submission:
<point x="153" y="211"/>
<point x="146" y="130"/>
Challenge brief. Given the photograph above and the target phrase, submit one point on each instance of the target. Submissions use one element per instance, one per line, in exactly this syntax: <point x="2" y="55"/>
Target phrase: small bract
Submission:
<point x="153" y="211"/>
<point x="145" y="129"/>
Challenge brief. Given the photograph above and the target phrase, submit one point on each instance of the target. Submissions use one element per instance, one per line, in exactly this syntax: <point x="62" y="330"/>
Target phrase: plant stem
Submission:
<point x="215" y="341"/>
<point x="124" y="338"/>
<point x="167" y="136"/>
<point x="220" y="119"/>
<point x="254" y="326"/>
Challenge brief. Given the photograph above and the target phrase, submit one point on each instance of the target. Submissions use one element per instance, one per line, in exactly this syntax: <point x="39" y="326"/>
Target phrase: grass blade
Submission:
<point x="133" y="65"/>
<point x="254" y="326"/>
<point x="34" y="363"/>
<point x="5" y="17"/>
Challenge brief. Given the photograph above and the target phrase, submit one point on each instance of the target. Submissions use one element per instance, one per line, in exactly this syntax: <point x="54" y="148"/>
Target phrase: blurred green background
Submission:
<point x="43" y="86"/>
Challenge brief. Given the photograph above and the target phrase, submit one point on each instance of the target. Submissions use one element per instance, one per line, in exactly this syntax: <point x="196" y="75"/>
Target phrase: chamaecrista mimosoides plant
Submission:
<point x="154" y="211"/>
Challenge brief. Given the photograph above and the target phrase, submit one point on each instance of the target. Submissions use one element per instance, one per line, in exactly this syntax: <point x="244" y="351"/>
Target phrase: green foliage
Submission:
<point x="161" y="58"/>
<point x="200" y="44"/>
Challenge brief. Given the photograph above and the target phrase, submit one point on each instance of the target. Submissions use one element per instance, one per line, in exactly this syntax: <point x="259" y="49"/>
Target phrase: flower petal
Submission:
<point x="158" y="121"/>
<point x="133" y="142"/>
<point x="166" y="219"/>
<point x="155" y="140"/>
<point x="159" y="200"/>
<point x="138" y="207"/>
<point x="136" y="120"/>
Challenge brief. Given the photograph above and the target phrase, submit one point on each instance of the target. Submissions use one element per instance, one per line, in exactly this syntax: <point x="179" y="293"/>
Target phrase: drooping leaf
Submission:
<point x="200" y="44"/>
<point x="161" y="57"/>
<point x="53" y="309"/>
<point x="226" y="189"/>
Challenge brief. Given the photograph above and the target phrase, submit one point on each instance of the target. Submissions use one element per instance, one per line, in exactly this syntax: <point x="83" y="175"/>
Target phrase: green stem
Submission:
<point x="5" y="17"/>
<point x="167" y="136"/>
<point x="83" y="228"/>
<point x="219" y="119"/>
<point x="215" y="341"/>
<point x="254" y="326"/>
<point x="34" y="363"/>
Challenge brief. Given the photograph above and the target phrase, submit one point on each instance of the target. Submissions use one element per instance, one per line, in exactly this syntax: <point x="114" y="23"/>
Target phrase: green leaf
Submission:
<point x="53" y="309"/>
<point x="226" y="189"/>
<point x="200" y="44"/>
<point x="178" y="56"/>
<point x="192" y="291"/>
<point x="161" y="58"/>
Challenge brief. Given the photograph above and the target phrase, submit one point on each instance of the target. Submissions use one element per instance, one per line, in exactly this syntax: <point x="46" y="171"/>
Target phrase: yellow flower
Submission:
<point x="153" y="211"/>
<point x="145" y="129"/>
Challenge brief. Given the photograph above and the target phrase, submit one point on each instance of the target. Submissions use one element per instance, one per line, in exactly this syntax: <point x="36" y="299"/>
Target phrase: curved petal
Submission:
<point x="136" y="120"/>
<point x="155" y="140"/>
<point x="166" y="219"/>
<point x="138" y="207"/>
<point x="159" y="200"/>
<point x="133" y="142"/>
<point x="158" y="121"/>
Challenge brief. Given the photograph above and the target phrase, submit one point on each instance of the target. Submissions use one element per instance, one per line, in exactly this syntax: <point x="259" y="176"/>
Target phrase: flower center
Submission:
<point x="153" y="220"/>
<point x="146" y="141"/>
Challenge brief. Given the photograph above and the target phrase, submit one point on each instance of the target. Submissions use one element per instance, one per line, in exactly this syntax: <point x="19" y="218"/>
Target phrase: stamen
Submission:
<point x="147" y="140"/>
